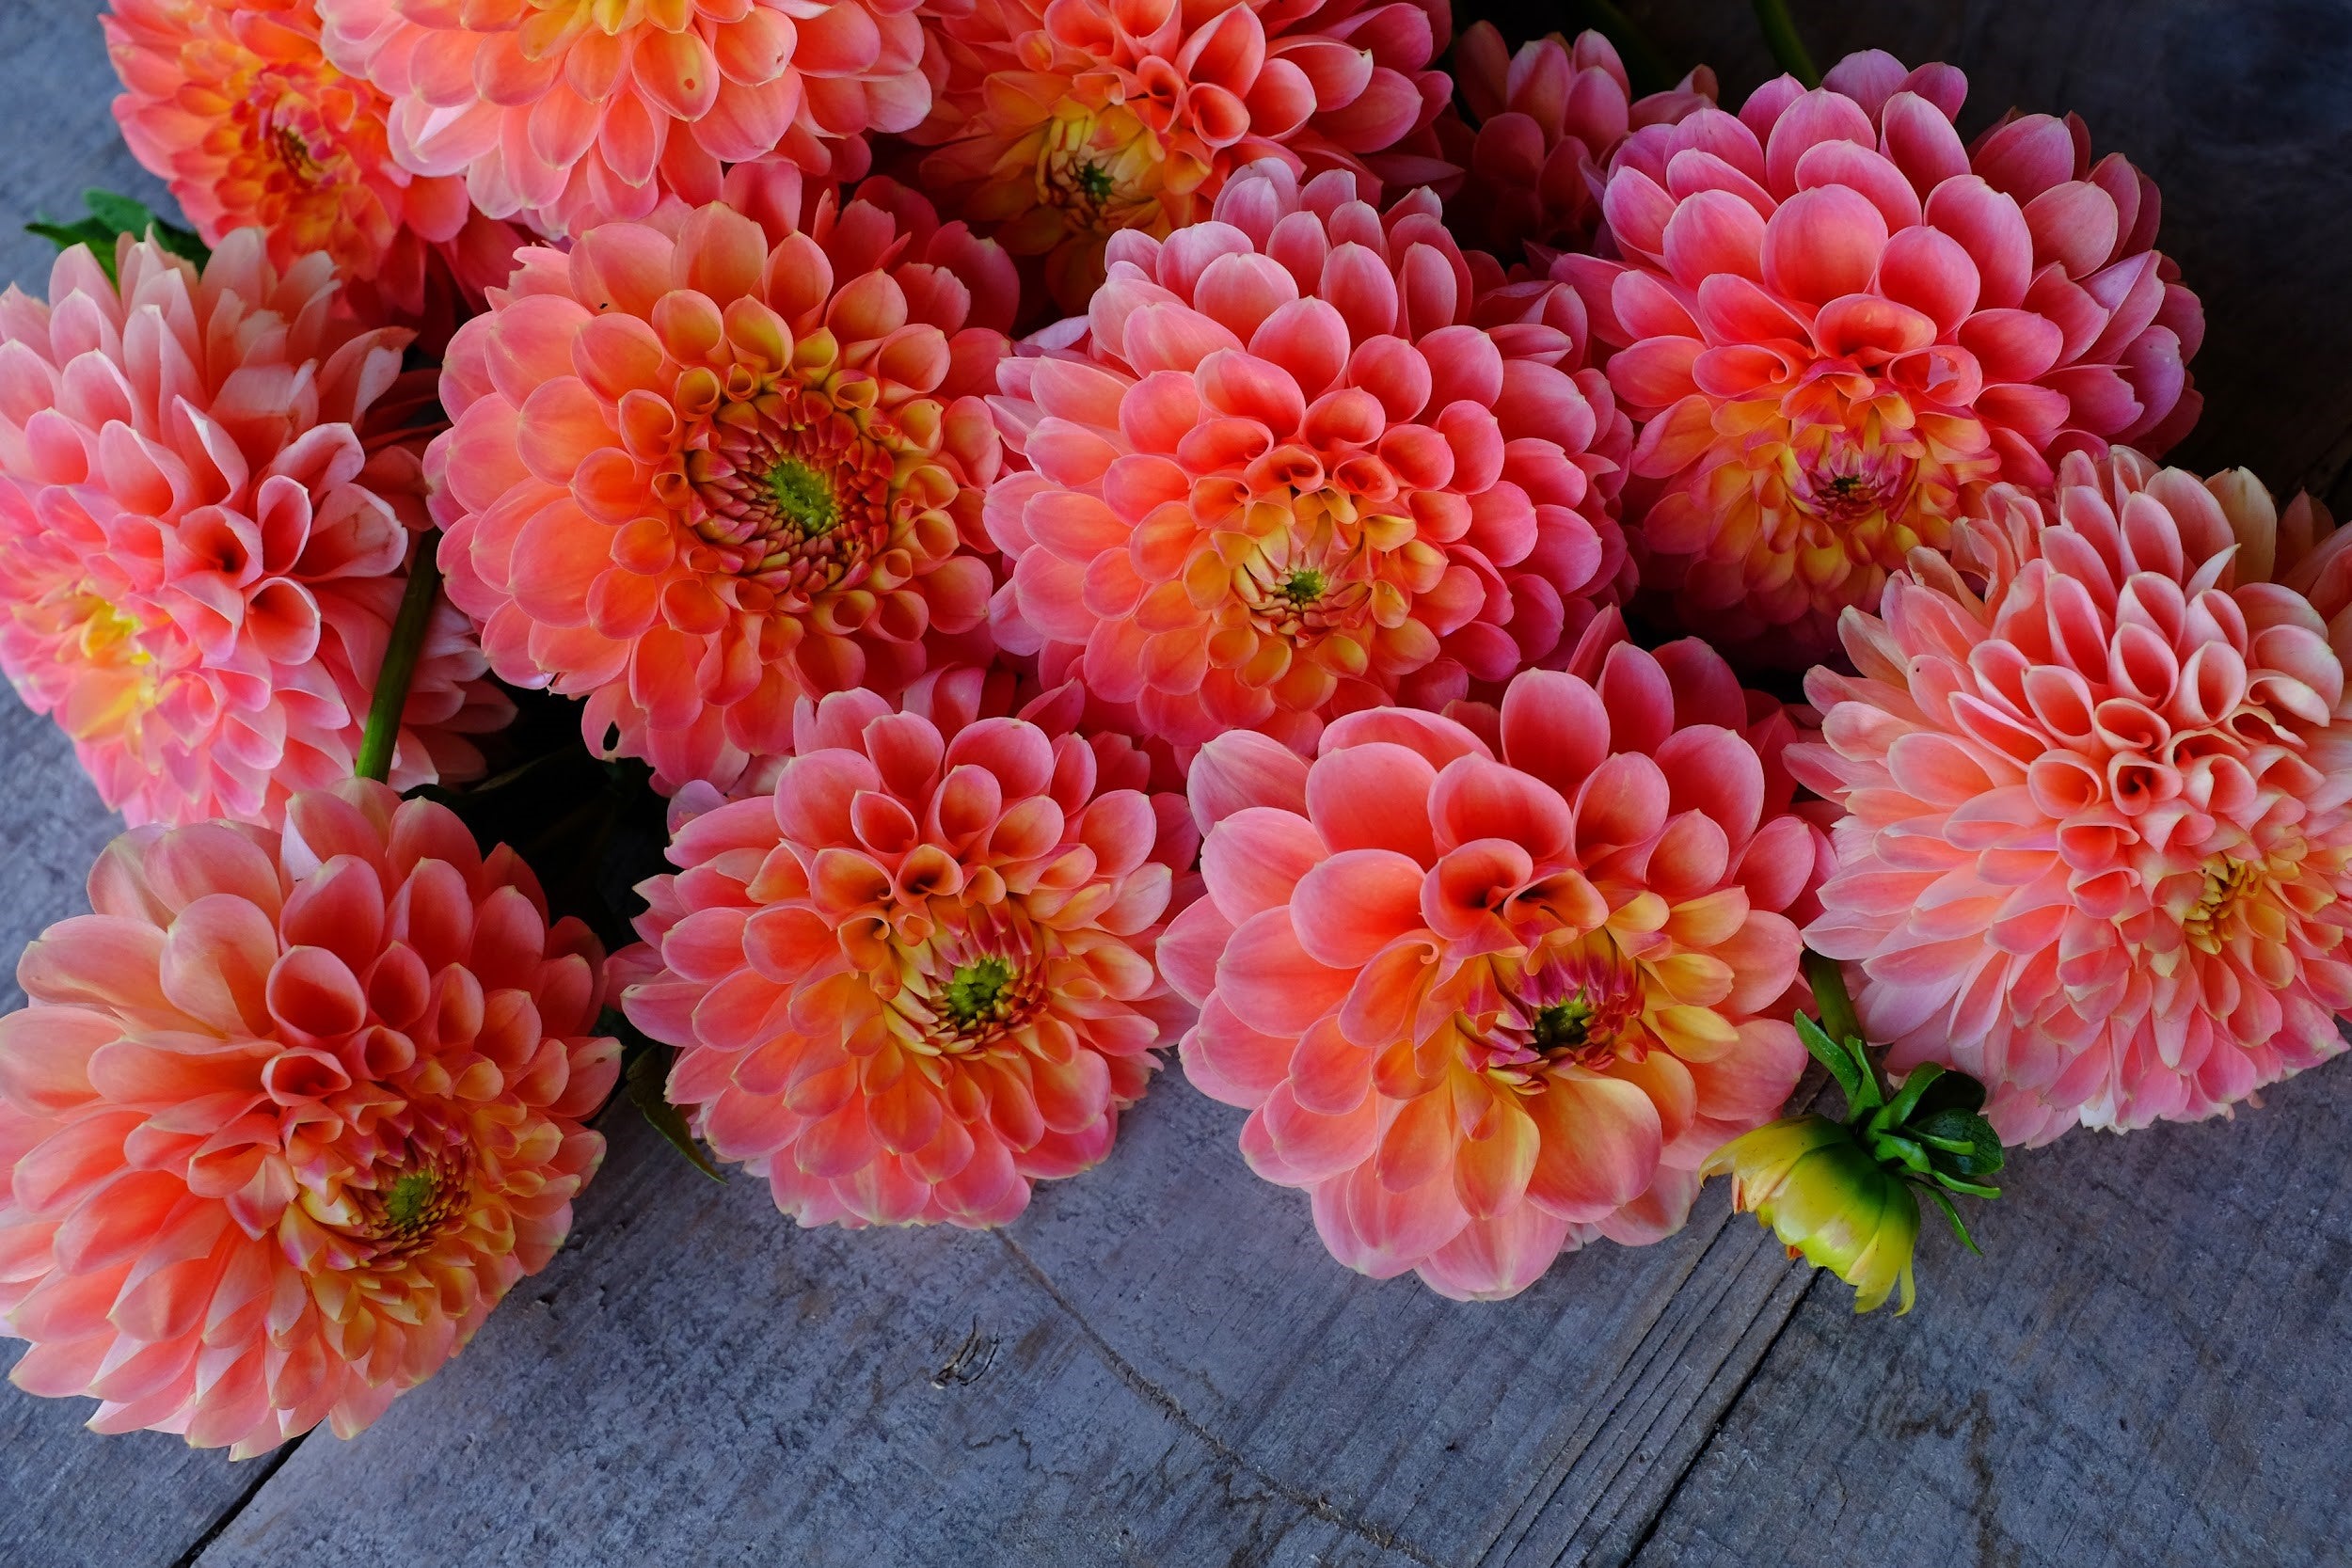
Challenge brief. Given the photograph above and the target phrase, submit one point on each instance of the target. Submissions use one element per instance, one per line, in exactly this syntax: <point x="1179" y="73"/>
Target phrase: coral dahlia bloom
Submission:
<point x="1283" y="469"/>
<point x="287" y="1116"/>
<point x="207" y="505"/>
<point x="233" y="104"/>
<point x="570" y="113"/>
<point x="1486" y="1001"/>
<point x="1548" y="120"/>
<point x="1062" y="124"/>
<point x="2100" y="855"/>
<point x="702" y="469"/>
<point x="1840" y="325"/>
<point x="919" y="976"/>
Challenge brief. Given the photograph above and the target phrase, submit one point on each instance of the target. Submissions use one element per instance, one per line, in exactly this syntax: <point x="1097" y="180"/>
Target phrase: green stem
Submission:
<point x="1780" y="37"/>
<point x="399" y="662"/>
<point x="1648" y="68"/>
<point x="1839" y="1021"/>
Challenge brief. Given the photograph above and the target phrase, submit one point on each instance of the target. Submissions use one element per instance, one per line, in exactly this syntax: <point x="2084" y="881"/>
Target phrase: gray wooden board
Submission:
<point x="2149" y="1366"/>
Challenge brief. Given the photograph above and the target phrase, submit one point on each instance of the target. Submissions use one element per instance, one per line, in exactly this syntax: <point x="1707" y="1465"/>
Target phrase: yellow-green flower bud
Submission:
<point x="1816" y="1188"/>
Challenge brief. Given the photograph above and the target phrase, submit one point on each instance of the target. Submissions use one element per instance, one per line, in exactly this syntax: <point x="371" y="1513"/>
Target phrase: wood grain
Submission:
<point x="2147" y="1371"/>
<point x="1159" y="1366"/>
<point x="1179" y="1376"/>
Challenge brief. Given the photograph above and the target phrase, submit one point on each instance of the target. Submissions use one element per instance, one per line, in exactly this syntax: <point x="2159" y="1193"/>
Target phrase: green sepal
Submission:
<point x="112" y="214"/>
<point x="644" y="1076"/>
<point x="1846" y="1063"/>
<point x="1899" y="1109"/>
<point x="1893" y="1149"/>
<point x="1952" y="1215"/>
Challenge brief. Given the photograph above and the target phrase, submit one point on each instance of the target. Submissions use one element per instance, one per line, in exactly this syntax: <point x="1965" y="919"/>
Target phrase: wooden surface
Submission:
<point x="1158" y="1365"/>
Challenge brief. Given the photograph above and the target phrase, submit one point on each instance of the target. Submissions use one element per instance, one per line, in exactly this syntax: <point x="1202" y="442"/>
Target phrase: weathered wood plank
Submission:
<point x="1181" y="1376"/>
<point x="2149" y="1368"/>
<point x="61" y="138"/>
<point x="67" y="1497"/>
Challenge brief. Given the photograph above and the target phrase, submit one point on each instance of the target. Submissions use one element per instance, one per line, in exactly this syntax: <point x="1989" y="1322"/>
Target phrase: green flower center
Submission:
<point x="1562" y="1025"/>
<point x="803" y="494"/>
<point x="976" y="990"/>
<point x="406" y="1205"/>
<point x="1304" y="586"/>
<point x="1094" y="182"/>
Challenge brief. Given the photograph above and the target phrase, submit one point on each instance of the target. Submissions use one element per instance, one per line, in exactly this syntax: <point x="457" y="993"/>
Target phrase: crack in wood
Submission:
<point x="270" y="1464"/>
<point x="1168" y="1406"/>
<point x="1715" y="1431"/>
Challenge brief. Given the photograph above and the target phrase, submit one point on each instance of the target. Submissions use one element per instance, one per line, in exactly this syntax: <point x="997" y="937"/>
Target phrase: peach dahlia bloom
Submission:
<point x="702" y="469"/>
<point x="208" y="500"/>
<point x="570" y="113"/>
<point x="1284" y="468"/>
<point x="919" y="976"/>
<point x="1547" y="119"/>
<point x="287" y="1116"/>
<point x="1840" y="325"/>
<point x="1488" y="1000"/>
<point x="1062" y="124"/>
<point x="233" y="104"/>
<point x="2100" y="849"/>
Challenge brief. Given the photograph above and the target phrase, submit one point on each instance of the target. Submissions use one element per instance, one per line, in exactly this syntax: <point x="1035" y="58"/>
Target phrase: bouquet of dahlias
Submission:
<point x="970" y="547"/>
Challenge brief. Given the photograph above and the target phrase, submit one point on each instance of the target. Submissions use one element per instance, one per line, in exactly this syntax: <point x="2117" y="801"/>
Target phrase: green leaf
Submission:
<point x="1852" y="1077"/>
<point x="644" y="1074"/>
<point x="112" y="214"/>
<point x="1952" y="1215"/>
<point x="1964" y="1141"/>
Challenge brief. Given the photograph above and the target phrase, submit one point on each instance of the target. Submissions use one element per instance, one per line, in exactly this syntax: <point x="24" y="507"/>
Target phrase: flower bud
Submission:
<point x="1816" y="1188"/>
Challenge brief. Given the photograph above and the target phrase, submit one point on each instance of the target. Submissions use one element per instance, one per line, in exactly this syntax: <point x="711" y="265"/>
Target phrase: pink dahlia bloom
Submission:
<point x="1062" y="124"/>
<point x="1548" y="120"/>
<point x="208" y="500"/>
<point x="571" y="113"/>
<point x="702" y="469"/>
<point x="233" y="104"/>
<point x="1486" y="1000"/>
<point x="1284" y="468"/>
<point x="919" y="976"/>
<point x="2100" y="852"/>
<point x="286" y="1116"/>
<point x="1841" y="326"/>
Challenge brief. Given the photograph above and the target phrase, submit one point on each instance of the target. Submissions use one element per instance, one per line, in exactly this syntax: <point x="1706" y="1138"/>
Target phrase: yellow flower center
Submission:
<point x="977" y="982"/>
<point x="795" y="491"/>
<point x="1103" y="171"/>
<point x="121" y="685"/>
<point x="2238" y="896"/>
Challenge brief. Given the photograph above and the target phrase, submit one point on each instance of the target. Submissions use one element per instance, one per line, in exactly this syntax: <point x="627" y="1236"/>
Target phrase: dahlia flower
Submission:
<point x="1486" y="1001"/>
<point x="1063" y="125"/>
<point x="2100" y="855"/>
<point x="1285" y="468"/>
<point x="919" y="976"/>
<point x="233" y="104"/>
<point x="287" y="1116"/>
<point x="701" y="469"/>
<point x="206" y="506"/>
<point x="571" y="113"/>
<point x="1546" y="121"/>
<point x="1840" y="326"/>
